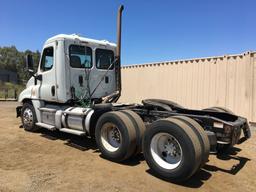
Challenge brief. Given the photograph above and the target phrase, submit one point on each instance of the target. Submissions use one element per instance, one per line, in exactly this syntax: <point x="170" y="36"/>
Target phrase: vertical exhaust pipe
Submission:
<point x="119" y="30"/>
<point x="118" y="51"/>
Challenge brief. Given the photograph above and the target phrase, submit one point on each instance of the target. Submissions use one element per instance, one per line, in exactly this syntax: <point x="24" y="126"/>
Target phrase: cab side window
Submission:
<point x="47" y="59"/>
<point x="104" y="58"/>
<point x="80" y="56"/>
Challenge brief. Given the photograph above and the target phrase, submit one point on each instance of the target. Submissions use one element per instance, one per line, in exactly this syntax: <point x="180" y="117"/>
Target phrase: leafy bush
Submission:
<point x="13" y="60"/>
<point x="8" y="90"/>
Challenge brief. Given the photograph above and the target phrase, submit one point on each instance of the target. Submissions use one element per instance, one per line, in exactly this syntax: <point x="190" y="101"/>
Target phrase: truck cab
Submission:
<point x="73" y="68"/>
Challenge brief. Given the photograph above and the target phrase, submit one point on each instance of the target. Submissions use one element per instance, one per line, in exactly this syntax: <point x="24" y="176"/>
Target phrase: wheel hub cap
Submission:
<point x="111" y="137"/>
<point x="166" y="150"/>
<point x="28" y="117"/>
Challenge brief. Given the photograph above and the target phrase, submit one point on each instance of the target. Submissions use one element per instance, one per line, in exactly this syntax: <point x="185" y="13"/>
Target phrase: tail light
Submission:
<point x="218" y="125"/>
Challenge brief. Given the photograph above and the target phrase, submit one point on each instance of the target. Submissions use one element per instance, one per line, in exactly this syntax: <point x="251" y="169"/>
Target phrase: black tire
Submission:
<point x="139" y="126"/>
<point x="191" y="151"/>
<point x="203" y="138"/>
<point x="28" y="117"/>
<point x="219" y="109"/>
<point x="127" y="134"/>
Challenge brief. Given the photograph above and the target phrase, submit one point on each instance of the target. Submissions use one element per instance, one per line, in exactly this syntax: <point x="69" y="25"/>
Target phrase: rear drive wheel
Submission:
<point x="203" y="138"/>
<point x="139" y="127"/>
<point x="115" y="136"/>
<point x="28" y="117"/>
<point x="172" y="150"/>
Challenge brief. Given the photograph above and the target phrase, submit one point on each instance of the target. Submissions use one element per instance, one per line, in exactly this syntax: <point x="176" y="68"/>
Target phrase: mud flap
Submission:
<point x="18" y="111"/>
<point x="247" y="131"/>
<point x="247" y="134"/>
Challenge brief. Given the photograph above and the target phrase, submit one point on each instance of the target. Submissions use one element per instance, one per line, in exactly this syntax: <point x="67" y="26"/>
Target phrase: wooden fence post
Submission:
<point x="15" y="94"/>
<point x="6" y="94"/>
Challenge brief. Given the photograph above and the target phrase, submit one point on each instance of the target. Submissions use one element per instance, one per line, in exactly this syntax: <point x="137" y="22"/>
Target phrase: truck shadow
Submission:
<point x="232" y="154"/>
<point x="83" y="144"/>
<point x="135" y="160"/>
<point x="196" y="181"/>
<point x="74" y="141"/>
<point x="205" y="173"/>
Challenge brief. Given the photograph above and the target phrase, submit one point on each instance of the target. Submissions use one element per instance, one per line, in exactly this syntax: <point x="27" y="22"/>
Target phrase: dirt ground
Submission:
<point x="54" y="161"/>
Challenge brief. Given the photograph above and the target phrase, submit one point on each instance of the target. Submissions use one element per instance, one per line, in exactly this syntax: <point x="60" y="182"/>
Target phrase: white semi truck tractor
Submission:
<point x="75" y="90"/>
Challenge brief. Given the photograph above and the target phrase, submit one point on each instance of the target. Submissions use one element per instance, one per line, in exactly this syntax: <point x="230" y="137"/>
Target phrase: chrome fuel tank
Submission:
<point x="75" y="118"/>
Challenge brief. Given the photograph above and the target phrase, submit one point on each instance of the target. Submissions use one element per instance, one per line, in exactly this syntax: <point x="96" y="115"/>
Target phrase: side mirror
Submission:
<point x="30" y="64"/>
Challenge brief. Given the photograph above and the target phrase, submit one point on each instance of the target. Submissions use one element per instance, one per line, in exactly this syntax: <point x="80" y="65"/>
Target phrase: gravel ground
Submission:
<point x="54" y="161"/>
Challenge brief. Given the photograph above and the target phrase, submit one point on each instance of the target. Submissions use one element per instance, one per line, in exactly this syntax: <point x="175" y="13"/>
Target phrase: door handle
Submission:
<point x="53" y="90"/>
<point x="106" y="79"/>
<point x="80" y="80"/>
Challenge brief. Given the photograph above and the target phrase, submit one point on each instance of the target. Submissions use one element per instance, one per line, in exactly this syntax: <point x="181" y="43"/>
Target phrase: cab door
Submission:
<point x="47" y="69"/>
<point x="80" y="64"/>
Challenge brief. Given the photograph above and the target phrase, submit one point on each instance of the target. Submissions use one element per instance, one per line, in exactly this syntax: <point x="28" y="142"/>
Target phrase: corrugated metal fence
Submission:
<point x="228" y="81"/>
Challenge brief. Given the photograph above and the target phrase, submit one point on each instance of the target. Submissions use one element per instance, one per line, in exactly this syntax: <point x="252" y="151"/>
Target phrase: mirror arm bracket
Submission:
<point x="37" y="77"/>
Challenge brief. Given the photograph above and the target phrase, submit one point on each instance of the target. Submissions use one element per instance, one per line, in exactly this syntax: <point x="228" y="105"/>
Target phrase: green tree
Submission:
<point x="14" y="60"/>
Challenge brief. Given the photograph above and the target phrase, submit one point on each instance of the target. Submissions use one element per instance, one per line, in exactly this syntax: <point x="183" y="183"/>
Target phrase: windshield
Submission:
<point x="104" y="58"/>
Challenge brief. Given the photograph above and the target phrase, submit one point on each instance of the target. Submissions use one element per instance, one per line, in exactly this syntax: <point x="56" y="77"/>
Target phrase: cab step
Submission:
<point x="72" y="131"/>
<point x="47" y="126"/>
<point x="47" y="109"/>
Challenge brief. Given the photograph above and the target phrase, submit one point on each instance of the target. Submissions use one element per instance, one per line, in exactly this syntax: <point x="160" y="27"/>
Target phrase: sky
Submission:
<point x="153" y="30"/>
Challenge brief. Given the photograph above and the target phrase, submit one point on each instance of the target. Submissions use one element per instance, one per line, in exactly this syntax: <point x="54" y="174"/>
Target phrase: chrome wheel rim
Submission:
<point x="166" y="150"/>
<point x="111" y="137"/>
<point x="28" y="117"/>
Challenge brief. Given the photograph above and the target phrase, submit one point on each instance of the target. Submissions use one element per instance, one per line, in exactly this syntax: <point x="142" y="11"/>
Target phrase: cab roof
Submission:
<point x="79" y="38"/>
